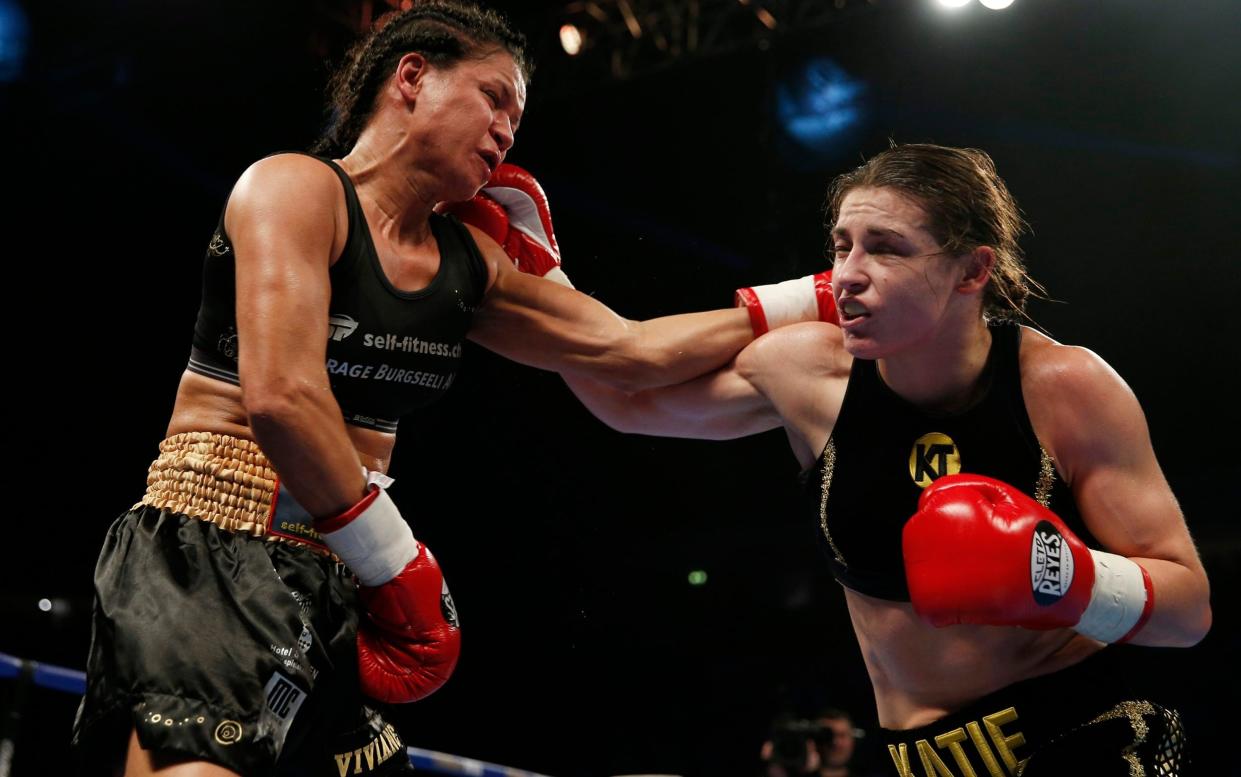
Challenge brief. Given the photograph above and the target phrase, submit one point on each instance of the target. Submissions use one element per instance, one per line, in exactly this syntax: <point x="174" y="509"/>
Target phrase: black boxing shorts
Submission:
<point x="1079" y="721"/>
<point x="228" y="648"/>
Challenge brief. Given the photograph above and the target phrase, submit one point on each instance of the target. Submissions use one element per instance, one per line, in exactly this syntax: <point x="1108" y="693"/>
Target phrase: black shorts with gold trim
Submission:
<point x="224" y="631"/>
<point x="1079" y="721"/>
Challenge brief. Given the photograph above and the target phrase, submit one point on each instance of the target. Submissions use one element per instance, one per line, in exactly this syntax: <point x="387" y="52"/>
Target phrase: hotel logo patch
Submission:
<point x="284" y="699"/>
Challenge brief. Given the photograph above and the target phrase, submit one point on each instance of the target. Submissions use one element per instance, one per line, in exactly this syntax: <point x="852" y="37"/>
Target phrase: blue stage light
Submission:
<point x="13" y="32"/>
<point x="821" y="105"/>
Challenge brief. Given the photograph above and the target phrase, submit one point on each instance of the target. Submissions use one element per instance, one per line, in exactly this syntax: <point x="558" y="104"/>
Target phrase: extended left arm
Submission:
<point x="549" y="325"/>
<point x="544" y="324"/>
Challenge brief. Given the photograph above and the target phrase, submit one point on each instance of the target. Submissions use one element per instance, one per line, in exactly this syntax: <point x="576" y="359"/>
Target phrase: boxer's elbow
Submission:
<point x="1190" y="629"/>
<point x="1199" y="624"/>
<point x="1198" y="621"/>
<point x="1193" y="615"/>
<point x="1204" y="624"/>
<point x="625" y="423"/>
<point x="616" y="409"/>
<point x="279" y="401"/>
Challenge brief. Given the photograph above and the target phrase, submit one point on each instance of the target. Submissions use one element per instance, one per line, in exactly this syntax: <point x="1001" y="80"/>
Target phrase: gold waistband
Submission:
<point x="213" y="477"/>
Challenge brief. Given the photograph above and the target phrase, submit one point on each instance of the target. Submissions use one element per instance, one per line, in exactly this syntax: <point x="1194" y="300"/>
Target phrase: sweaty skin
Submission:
<point x="917" y="311"/>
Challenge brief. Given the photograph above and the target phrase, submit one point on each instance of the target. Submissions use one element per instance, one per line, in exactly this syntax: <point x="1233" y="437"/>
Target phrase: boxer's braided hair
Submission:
<point x="444" y="32"/>
<point x="969" y="205"/>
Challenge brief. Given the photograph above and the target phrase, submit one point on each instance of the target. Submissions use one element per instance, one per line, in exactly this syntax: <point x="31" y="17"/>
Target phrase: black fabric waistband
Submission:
<point x="997" y="732"/>
<point x="203" y="363"/>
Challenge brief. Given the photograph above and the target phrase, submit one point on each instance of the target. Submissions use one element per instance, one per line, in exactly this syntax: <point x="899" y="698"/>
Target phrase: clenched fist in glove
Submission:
<point x="408" y="636"/>
<point x="512" y="209"/>
<point x="980" y="551"/>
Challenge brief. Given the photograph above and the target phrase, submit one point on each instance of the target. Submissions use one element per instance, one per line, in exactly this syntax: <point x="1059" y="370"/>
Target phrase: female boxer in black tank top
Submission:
<point x="335" y="299"/>
<point x="937" y="446"/>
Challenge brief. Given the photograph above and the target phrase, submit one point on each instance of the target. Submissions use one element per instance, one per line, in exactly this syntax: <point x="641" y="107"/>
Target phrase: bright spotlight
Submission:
<point x="570" y="39"/>
<point x="996" y="5"/>
<point x="954" y="3"/>
<point x="45" y="605"/>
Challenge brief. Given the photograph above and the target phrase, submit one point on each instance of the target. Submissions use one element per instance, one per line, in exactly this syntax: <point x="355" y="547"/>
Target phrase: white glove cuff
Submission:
<point x="556" y="274"/>
<point x="377" y="544"/>
<point x="1117" y="600"/>
<point x="788" y="302"/>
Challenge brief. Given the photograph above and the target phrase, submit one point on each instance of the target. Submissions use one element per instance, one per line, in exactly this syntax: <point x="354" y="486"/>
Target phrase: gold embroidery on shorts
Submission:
<point x="932" y="764"/>
<point x="1005" y="743"/>
<point x="900" y="757"/>
<point x="934" y="752"/>
<point x="1134" y="711"/>
<point x="829" y="469"/>
<point x="984" y="751"/>
<point x="228" y="732"/>
<point x="1046" y="478"/>
<point x="379" y="749"/>
<point x="952" y="741"/>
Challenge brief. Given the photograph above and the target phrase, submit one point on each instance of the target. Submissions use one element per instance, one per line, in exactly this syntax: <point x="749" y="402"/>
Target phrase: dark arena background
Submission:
<point x="629" y="604"/>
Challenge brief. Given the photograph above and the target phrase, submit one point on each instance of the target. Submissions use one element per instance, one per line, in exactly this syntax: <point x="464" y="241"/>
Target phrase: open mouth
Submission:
<point x="851" y="310"/>
<point x="491" y="158"/>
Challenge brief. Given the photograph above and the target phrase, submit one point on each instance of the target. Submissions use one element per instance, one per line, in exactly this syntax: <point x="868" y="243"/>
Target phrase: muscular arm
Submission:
<point x="721" y="405"/>
<point x="1098" y="435"/>
<point x="543" y="324"/>
<point x="282" y="218"/>
<point x="794" y="376"/>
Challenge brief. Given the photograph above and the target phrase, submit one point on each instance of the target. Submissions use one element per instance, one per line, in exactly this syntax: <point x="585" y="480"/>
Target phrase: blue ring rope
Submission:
<point x="58" y="678"/>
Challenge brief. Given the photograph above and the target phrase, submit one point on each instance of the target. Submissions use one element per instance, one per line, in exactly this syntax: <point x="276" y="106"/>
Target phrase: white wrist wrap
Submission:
<point x="377" y="544"/>
<point x="377" y="478"/>
<point x="788" y="302"/>
<point x="1116" y="600"/>
<point x="556" y="274"/>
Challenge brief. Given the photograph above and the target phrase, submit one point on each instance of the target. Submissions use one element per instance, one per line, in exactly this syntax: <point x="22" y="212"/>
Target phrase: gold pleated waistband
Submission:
<point x="213" y="477"/>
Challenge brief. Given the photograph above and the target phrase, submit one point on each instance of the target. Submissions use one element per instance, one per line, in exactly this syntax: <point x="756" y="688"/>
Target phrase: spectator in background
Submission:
<point x="821" y="746"/>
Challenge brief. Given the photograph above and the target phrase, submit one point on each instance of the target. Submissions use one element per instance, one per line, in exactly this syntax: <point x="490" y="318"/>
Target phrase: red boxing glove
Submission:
<point x="512" y="209"/>
<point x="409" y="637"/>
<point x="789" y="302"/>
<point x="980" y="551"/>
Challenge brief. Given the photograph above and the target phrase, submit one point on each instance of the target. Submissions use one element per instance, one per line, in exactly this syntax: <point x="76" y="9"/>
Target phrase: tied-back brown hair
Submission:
<point x="443" y="31"/>
<point x="969" y="206"/>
